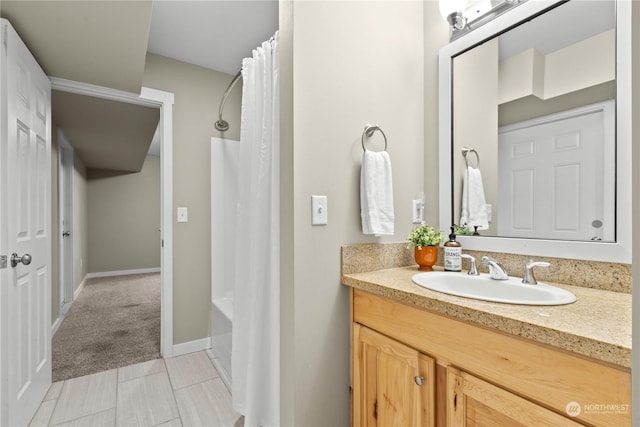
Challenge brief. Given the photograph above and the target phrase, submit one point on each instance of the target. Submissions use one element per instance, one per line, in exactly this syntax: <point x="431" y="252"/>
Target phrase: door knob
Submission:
<point x="419" y="379"/>
<point x="66" y="234"/>
<point x="24" y="259"/>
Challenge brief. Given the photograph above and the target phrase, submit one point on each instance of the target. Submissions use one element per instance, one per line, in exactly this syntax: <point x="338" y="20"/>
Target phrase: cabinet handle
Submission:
<point x="419" y="379"/>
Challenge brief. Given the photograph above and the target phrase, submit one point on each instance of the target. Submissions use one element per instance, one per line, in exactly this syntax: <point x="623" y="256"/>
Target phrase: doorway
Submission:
<point x="65" y="223"/>
<point x="164" y="102"/>
<point x="543" y="188"/>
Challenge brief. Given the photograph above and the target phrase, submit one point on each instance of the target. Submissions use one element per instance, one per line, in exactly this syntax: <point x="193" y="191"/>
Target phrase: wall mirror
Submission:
<point x="536" y="106"/>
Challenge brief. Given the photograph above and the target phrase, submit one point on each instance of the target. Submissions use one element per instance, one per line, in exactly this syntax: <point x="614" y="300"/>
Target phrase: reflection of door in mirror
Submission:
<point x="553" y="172"/>
<point x="540" y="68"/>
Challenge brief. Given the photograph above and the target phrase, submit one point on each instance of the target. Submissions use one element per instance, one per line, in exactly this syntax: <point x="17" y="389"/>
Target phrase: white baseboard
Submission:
<point x="123" y="272"/>
<point x="56" y="325"/>
<point x="80" y="288"/>
<point x="190" y="347"/>
<point x="65" y="308"/>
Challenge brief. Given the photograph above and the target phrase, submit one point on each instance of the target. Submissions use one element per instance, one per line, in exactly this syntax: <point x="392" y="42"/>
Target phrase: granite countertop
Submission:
<point x="597" y="325"/>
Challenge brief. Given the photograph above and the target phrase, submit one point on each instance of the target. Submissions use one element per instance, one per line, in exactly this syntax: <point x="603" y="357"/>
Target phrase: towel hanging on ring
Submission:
<point x="474" y="206"/>
<point x="376" y="189"/>
<point x="376" y="194"/>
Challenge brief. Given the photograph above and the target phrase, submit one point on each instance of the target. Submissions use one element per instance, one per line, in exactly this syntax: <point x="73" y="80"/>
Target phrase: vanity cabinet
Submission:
<point x="473" y="402"/>
<point x="394" y="384"/>
<point x="472" y="375"/>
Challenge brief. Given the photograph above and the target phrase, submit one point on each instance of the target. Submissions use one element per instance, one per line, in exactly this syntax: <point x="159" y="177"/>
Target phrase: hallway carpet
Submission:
<point x="114" y="322"/>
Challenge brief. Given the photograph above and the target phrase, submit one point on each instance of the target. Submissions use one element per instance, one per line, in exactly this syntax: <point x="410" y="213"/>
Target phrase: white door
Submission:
<point x="65" y="219"/>
<point x="25" y="201"/>
<point x="554" y="180"/>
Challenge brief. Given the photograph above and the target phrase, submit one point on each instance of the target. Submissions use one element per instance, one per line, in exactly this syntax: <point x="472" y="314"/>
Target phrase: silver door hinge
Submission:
<point x="3" y="261"/>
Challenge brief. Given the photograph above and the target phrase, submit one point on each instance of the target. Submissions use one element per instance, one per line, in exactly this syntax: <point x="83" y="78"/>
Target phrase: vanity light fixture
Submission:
<point x="452" y="11"/>
<point x="466" y="15"/>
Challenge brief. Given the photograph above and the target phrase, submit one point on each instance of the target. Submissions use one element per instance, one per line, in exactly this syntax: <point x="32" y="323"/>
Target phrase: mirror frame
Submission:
<point x="618" y="251"/>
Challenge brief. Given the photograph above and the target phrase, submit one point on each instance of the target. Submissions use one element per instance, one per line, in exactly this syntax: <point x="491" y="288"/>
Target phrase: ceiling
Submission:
<point x="212" y="34"/>
<point x="77" y="40"/>
<point x="100" y="127"/>
<point x="104" y="43"/>
<point x="552" y="33"/>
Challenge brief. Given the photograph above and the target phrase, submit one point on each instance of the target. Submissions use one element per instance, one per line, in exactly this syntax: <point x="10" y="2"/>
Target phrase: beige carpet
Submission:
<point x="114" y="322"/>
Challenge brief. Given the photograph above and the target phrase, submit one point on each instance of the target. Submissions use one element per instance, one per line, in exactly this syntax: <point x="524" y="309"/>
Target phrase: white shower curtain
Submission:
<point x="255" y="360"/>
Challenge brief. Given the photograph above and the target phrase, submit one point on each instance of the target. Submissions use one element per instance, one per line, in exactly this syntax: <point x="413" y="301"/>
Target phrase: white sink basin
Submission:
<point x="482" y="287"/>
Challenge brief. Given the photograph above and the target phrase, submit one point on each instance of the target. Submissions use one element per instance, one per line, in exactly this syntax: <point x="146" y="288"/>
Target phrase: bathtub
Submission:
<point x="221" y="311"/>
<point x="225" y="155"/>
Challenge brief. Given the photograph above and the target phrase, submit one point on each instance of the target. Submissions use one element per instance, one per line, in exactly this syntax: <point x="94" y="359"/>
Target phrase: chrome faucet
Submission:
<point x="473" y="271"/>
<point x="496" y="270"/>
<point x="529" y="278"/>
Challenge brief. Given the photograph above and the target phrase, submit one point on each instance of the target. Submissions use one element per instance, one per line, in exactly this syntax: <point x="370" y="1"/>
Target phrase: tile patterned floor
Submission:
<point x="182" y="391"/>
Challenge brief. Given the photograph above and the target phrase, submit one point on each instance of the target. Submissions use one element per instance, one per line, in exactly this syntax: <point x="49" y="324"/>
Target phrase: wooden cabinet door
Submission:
<point x="393" y="385"/>
<point x="473" y="402"/>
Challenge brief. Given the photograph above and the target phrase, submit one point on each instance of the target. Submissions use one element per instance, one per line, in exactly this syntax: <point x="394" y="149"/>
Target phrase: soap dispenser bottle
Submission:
<point x="452" y="253"/>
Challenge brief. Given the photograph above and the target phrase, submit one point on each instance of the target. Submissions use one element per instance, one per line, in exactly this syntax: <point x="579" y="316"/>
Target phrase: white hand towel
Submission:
<point x="474" y="206"/>
<point x="376" y="194"/>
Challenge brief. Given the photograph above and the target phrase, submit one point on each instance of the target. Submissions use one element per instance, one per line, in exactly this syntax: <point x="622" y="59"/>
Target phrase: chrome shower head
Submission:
<point x="222" y="125"/>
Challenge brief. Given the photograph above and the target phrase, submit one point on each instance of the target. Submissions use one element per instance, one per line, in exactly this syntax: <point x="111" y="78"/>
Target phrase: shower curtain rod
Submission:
<point x="223" y="125"/>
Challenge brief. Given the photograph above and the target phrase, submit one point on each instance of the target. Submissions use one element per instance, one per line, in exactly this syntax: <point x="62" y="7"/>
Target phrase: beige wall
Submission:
<point x="287" y="215"/>
<point x="124" y="219"/>
<point x="475" y="107"/>
<point x="197" y="96"/>
<point x="368" y="68"/>
<point x="520" y="75"/>
<point x="581" y="65"/>
<point x="587" y="63"/>
<point x="436" y="35"/>
<point x="635" y="83"/>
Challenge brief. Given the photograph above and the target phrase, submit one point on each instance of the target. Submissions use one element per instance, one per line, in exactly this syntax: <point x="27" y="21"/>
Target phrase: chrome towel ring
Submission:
<point x="465" y="153"/>
<point x="369" y="130"/>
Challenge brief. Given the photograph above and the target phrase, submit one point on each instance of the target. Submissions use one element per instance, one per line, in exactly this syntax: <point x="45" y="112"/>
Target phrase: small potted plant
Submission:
<point x="426" y="240"/>
<point x="462" y="230"/>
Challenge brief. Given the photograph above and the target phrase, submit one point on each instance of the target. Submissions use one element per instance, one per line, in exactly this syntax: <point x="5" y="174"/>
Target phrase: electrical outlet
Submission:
<point x="418" y="211"/>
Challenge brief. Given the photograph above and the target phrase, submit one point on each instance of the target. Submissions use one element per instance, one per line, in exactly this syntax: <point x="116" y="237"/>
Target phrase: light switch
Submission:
<point x="318" y="210"/>
<point x="183" y="215"/>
